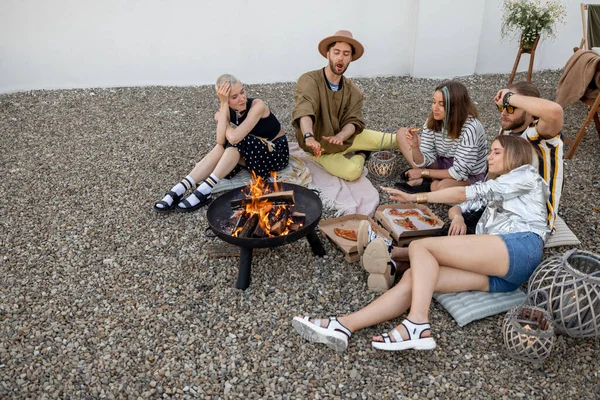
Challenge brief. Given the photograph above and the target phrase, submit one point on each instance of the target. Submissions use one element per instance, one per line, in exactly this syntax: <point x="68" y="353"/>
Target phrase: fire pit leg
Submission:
<point x="315" y="243"/>
<point x="243" y="280"/>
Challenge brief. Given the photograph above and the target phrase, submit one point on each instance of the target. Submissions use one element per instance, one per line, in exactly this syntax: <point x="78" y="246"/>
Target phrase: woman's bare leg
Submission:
<point x="227" y="163"/>
<point x="204" y="167"/>
<point x="397" y="300"/>
<point x="446" y="183"/>
<point x="487" y="255"/>
<point x="389" y="305"/>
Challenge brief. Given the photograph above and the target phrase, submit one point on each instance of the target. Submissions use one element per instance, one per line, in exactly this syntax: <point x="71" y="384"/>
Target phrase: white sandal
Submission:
<point x="415" y="341"/>
<point x="334" y="335"/>
<point x="377" y="261"/>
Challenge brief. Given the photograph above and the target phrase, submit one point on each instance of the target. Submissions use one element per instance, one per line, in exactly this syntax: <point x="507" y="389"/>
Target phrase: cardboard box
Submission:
<point x="400" y="234"/>
<point x="350" y="248"/>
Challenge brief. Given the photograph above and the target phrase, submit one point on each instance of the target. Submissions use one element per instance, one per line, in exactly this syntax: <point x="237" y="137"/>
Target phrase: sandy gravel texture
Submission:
<point x="102" y="298"/>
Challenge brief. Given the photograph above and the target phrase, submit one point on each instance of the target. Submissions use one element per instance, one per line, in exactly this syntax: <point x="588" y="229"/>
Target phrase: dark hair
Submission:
<point x="517" y="152"/>
<point x="333" y="44"/>
<point x="457" y="109"/>
<point x="524" y="88"/>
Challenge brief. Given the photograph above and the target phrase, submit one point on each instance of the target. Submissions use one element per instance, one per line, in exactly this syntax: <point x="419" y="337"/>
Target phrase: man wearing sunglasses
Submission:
<point x="540" y="121"/>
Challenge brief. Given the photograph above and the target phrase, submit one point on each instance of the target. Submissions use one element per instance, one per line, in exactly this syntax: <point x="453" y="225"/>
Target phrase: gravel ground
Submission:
<point x="102" y="298"/>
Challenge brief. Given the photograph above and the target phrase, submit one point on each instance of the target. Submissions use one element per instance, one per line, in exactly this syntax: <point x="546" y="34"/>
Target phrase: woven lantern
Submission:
<point x="383" y="164"/>
<point x="528" y="333"/>
<point x="568" y="287"/>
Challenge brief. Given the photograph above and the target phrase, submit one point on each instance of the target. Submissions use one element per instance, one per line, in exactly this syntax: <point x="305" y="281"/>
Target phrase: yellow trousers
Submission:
<point x="350" y="168"/>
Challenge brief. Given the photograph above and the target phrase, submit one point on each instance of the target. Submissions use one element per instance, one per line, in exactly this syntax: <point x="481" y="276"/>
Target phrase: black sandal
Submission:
<point x="404" y="174"/>
<point x="425" y="186"/>
<point x="204" y="199"/>
<point x="165" y="206"/>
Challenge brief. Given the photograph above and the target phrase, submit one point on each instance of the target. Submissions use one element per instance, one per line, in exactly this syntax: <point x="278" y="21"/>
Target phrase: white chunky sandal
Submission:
<point x="415" y="340"/>
<point x="334" y="335"/>
<point x="378" y="262"/>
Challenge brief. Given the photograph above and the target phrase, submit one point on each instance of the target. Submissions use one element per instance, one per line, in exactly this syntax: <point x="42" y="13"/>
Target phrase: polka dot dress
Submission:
<point x="258" y="157"/>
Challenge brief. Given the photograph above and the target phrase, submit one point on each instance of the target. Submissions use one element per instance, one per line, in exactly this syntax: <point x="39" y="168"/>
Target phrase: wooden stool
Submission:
<point x="522" y="51"/>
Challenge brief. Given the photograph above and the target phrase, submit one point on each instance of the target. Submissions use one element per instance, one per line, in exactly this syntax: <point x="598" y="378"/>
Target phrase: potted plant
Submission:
<point x="530" y="19"/>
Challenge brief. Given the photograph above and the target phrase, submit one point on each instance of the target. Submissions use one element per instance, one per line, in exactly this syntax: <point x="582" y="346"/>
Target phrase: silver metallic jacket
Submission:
<point x="515" y="202"/>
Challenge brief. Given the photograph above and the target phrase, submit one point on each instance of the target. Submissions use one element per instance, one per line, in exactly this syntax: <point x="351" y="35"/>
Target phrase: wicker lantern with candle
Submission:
<point x="570" y="285"/>
<point x="528" y="333"/>
<point x="383" y="164"/>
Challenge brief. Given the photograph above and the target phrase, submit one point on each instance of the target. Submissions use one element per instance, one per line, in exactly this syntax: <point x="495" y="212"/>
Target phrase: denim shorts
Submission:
<point x="524" y="254"/>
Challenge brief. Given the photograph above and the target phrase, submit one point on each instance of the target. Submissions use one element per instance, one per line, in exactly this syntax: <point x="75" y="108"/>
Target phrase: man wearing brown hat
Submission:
<point x="328" y="114"/>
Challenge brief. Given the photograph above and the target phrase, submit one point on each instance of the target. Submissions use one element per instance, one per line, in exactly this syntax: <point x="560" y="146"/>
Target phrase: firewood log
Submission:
<point x="277" y="198"/>
<point x="249" y="226"/>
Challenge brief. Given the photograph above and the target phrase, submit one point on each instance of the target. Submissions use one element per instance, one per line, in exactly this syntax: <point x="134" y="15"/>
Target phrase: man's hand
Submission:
<point x="500" y="96"/>
<point x="314" y="145"/>
<point x="337" y="139"/>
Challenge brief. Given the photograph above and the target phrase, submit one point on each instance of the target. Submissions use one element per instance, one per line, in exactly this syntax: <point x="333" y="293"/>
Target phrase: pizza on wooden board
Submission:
<point x="348" y="234"/>
<point x="406" y="223"/>
<point x="412" y="212"/>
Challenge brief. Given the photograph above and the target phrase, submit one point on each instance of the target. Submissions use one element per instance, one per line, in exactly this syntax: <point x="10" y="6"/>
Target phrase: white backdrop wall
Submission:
<point x="49" y="44"/>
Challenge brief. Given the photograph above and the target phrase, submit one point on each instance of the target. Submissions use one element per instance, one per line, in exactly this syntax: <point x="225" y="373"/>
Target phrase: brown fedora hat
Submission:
<point x="342" y="36"/>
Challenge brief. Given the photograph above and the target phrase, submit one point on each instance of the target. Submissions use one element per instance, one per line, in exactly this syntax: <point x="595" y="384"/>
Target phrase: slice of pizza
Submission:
<point x="406" y="223"/>
<point x="412" y="212"/>
<point x="428" y="220"/>
<point x="348" y="234"/>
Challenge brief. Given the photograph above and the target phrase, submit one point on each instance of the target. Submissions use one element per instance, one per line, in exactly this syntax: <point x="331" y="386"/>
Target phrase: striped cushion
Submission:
<point x="470" y="306"/>
<point x="562" y="235"/>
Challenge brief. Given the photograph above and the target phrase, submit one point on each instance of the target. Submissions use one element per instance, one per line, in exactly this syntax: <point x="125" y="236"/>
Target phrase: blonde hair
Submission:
<point x="226" y="78"/>
<point x="517" y="152"/>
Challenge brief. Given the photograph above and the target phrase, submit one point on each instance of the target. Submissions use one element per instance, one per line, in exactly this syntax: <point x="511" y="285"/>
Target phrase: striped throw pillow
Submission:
<point x="466" y="307"/>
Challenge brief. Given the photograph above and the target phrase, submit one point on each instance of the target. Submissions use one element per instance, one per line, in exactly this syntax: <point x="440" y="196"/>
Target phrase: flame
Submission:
<point x="264" y="208"/>
<point x="527" y="337"/>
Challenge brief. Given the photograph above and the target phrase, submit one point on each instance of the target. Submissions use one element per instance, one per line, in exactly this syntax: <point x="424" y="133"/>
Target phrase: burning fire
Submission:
<point x="269" y="214"/>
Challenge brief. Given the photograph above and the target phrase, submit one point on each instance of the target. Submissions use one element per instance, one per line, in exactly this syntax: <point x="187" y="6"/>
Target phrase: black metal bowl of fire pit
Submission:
<point x="305" y="201"/>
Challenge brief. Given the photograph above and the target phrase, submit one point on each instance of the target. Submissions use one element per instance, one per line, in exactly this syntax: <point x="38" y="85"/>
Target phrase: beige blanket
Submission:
<point x="580" y="71"/>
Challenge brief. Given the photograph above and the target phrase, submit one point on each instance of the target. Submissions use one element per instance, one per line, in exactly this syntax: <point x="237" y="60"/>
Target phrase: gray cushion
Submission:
<point x="470" y="306"/>
<point x="563" y="236"/>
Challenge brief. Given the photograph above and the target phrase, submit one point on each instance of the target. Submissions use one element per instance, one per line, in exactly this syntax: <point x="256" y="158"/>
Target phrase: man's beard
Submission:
<point x="333" y="69"/>
<point x="515" y="124"/>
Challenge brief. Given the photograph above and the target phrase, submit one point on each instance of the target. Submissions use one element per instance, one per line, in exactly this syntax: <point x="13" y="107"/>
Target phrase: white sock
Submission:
<point x="182" y="187"/>
<point x="205" y="188"/>
<point x="373" y="235"/>
<point x="209" y="183"/>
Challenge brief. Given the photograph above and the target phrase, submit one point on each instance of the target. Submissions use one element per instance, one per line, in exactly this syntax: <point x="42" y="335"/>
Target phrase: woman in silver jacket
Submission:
<point x="501" y="257"/>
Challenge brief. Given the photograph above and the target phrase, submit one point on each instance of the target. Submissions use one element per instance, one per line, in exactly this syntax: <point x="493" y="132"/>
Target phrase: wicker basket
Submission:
<point x="570" y="285"/>
<point x="528" y="333"/>
<point x="383" y="164"/>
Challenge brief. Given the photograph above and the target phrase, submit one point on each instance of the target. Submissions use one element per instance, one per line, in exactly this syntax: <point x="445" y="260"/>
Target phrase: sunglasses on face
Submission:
<point x="509" y="109"/>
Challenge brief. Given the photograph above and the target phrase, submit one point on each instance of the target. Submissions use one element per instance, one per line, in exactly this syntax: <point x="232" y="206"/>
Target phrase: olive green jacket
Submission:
<point x="329" y="110"/>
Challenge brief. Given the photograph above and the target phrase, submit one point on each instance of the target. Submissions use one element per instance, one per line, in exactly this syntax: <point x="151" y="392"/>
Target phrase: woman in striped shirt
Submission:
<point x="452" y="149"/>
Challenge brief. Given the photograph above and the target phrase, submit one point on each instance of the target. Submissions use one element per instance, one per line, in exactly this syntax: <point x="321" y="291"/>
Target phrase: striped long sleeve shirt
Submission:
<point x="469" y="150"/>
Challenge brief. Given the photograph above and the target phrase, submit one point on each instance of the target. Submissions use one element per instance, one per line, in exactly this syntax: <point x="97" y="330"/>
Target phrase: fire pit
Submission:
<point x="220" y="214"/>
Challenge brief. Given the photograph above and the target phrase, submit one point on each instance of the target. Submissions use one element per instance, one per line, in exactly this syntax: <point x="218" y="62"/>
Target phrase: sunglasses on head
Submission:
<point x="509" y="109"/>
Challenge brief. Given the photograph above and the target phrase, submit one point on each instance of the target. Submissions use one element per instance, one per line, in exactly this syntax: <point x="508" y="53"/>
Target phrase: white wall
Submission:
<point x="497" y="57"/>
<point x="47" y="44"/>
<point x="447" y="38"/>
